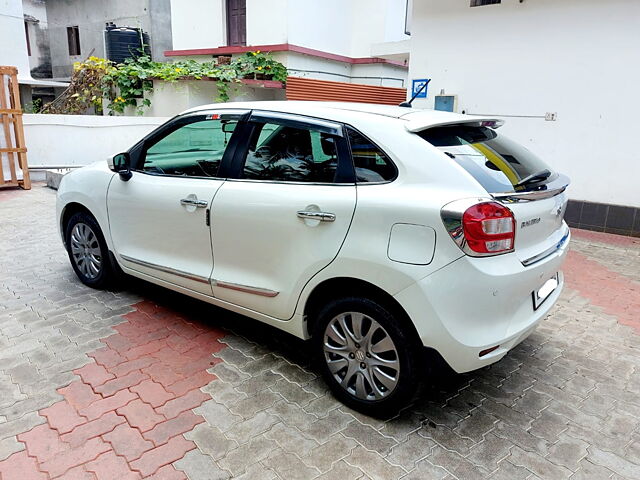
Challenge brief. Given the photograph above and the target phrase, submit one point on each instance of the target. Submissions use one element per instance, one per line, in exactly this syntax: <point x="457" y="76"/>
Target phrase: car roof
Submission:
<point x="417" y="119"/>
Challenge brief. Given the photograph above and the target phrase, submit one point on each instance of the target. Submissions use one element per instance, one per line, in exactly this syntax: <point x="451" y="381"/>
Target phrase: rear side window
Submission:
<point x="287" y="154"/>
<point x="496" y="162"/>
<point x="371" y="164"/>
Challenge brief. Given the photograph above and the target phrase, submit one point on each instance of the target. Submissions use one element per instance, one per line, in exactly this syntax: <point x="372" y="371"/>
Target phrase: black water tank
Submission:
<point x="125" y="42"/>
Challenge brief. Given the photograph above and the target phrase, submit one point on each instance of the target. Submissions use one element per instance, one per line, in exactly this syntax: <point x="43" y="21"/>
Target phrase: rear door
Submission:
<point x="514" y="176"/>
<point x="283" y="213"/>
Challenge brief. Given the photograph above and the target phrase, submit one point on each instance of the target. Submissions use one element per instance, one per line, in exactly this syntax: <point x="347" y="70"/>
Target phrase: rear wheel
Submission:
<point x="88" y="251"/>
<point x="366" y="356"/>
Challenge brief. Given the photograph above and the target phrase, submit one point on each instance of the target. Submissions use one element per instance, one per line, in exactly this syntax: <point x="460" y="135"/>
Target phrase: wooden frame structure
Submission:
<point x="14" y="170"/>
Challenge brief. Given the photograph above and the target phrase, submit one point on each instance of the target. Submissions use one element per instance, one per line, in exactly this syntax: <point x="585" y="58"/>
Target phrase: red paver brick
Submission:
<point x="168" y="453"/>
<point x="118" y="342"/>
<point x="132" y="365"/>
<point x="140" y="415"/>
<point x="119" y="383"/>
<point x="186" y="329"/>
<point x="162" y="374"/>
<point x="95" y="428"/>
<point x="109" y="466"/>
<point x="614" y="293"/>
<point x="94" y="374"/>
<point x="79" y="395"/>
<point x="74" y="457"/>
<point x="152" y="393"/>
<point x="99" y="408"/>
<point x="62" y="416"/>
<point x="180" y="344"/>
<point x="142" y="350"/>
<point x="79" y="473"/>
<point x="42" y="442"/>
<point x="191" y="400"/>
<point x="20" y="466"/>
<point x="196" y="366"/>
<point x="127" y="442"/>
<point x="197" y="380"/>
<point x="107" y="357"/>
<point x="168" y="472"/>
<point x="162" y="432"/>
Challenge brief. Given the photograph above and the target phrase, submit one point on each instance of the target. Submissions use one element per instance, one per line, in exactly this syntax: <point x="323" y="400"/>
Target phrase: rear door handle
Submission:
<point x="322" y="216"/>
<point x="195" y="202"/>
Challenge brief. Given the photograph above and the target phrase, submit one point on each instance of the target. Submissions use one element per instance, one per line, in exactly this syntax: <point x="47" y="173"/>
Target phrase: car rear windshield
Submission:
<point x="496" y="162"/>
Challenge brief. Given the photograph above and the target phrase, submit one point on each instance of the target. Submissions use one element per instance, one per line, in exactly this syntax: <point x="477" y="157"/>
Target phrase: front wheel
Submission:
<point x="88" y="251"/>
<point x="369" y="358"/>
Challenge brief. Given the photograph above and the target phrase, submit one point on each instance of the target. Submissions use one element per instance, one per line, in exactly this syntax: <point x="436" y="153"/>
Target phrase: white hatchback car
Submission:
<point x="380" y="233"/>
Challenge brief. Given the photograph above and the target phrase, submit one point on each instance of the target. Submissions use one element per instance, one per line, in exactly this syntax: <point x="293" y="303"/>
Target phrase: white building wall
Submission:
<point x="13" y="42"/>
<point x="577" y="58"/>
<point x="197" y="24"/>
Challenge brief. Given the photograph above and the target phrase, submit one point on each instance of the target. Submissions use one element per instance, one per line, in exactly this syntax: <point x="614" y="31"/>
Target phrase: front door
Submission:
<point x="283" y="215"/>
<point x="159" y="217"/>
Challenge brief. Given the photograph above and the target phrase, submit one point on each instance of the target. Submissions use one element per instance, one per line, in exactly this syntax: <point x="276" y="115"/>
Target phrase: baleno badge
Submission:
<point x="528" y="223"/>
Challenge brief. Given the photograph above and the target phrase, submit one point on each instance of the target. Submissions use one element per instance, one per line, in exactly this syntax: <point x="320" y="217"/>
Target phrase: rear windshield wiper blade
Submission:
<point x="534" y="178"/>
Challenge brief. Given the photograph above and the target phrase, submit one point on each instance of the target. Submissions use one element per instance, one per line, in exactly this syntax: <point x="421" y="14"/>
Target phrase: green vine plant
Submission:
<point x="97" y="82"/>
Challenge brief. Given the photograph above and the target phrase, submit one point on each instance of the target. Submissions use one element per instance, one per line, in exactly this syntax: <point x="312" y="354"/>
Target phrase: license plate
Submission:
<point x="544" y="291"/>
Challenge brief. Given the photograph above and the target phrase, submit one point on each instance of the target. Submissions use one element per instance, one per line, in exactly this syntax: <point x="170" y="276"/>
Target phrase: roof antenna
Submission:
<point x="408" y="104"/>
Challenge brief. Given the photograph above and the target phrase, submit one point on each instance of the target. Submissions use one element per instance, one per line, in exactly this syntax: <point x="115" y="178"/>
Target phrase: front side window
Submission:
<point x="193" y="150"/>
<point x="371" y="164"/>
<point x="290" y="154"/>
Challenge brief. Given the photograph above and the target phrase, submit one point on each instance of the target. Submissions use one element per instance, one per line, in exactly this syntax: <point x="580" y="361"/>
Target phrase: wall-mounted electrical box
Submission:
<point x="446" y="103"/>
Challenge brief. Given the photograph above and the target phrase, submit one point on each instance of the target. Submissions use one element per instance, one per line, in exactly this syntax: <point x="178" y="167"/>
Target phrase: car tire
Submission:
<point x="88" y="252"/>
<point x="375" y="371"/>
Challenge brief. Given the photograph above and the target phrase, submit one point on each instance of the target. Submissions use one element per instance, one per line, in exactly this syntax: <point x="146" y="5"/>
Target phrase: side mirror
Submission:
<point x="121" y="164"/>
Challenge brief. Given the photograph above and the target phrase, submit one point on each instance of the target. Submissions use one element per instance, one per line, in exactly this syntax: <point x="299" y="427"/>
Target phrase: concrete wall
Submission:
<point x="576" y="58"/>
<point x="62" y="140"/>
<point x="197" y="24"/>
<point x="35" y="13"/>
<point x="153" y="16"/>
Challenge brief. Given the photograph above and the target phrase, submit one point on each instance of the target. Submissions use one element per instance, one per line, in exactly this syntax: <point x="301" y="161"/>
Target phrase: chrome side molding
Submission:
<point x="161" y="268"/>
<point x="263" y="292"/>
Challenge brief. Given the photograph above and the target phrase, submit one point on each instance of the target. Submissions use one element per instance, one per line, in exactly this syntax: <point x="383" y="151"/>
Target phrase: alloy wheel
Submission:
<point x="85" y="250"/>
<point x="361" y="356"/>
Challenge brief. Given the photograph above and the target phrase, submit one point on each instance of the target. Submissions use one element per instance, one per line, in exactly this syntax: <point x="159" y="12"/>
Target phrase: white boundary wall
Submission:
<point x="65" y="140"/>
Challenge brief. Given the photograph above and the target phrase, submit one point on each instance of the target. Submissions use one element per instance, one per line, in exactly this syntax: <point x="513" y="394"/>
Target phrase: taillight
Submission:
<point x="489" y="228"/>
<point x="480" y="228"/>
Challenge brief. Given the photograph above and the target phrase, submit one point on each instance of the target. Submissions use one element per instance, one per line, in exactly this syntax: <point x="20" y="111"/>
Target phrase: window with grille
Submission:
<point x="73" y="37"/>
<point x="480" y="3"/>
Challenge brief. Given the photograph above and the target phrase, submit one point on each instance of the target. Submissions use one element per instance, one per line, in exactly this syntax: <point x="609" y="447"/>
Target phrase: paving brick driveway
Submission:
<point x="141" y="382"/>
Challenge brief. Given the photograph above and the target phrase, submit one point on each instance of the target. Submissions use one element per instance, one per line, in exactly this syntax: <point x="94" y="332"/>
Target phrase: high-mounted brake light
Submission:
<point x="480" y="229"/>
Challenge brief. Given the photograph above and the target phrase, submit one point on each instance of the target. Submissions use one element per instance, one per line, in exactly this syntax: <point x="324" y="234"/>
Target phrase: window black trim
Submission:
<point x="353" y="166"/>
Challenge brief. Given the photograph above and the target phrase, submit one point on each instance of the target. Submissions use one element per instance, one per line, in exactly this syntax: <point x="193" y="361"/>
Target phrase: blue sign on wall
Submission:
<point x="417" y="85"/>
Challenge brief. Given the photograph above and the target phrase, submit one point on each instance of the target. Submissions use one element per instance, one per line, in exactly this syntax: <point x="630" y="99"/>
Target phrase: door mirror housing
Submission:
<point x="121" y="164"/>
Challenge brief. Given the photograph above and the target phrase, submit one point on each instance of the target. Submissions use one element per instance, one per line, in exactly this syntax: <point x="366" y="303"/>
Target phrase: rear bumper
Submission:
<point x="474" y="304"/>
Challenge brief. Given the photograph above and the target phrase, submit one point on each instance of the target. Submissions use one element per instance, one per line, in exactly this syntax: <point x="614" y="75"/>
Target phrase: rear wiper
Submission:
<point x="535" y="178"/>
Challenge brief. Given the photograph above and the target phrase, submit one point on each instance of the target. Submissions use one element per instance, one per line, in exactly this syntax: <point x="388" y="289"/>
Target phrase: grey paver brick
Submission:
<point x="322" y="429"/>
<point x="291" y="439"/>
<point x="342" y="471"/>
<point x="613" y="462"/>
<point x="407" y="453"/>
<point x="292" y="392"/>
<point x="248" y="454"/>
<point x="542" y="467"/>
<point x="568" y="452"/>
<point x="490" y="451"/>
<point x="376" y="467"/>
<point x="244" y="431"/>
<point x="425" y="469"/>
<point x="9" y="446"/>
<point x="217" y="415"/>
<point x="257" y="471"/>
<point x="293" y="416"/>
<point x="249" y="406"/>
<point x="198" y="466"/>
<point x="289" y="466"/>
<point x="228" y="373"/>
<point x="369" y="438"/>
<point x="211" y="441"/>
<point x="457" y="465"/>
<point x="324" y="456"/>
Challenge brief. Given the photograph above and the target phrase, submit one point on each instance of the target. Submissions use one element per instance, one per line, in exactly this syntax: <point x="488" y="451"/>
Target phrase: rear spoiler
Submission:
<point x="415" y="126"/>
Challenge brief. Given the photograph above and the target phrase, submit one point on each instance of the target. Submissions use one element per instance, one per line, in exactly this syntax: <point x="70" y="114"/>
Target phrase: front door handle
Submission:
<point x="189" y="201"/>
<point x="322" y="216"/>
